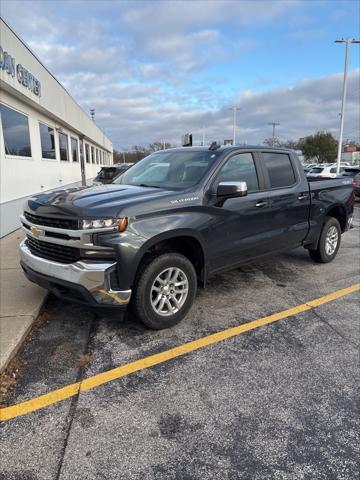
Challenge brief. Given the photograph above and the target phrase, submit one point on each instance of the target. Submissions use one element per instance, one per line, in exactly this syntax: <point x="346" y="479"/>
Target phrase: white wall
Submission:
<point x="21" y="177"/>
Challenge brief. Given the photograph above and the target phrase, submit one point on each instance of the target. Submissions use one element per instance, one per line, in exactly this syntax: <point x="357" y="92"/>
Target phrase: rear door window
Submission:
<point x="280" y="170"/>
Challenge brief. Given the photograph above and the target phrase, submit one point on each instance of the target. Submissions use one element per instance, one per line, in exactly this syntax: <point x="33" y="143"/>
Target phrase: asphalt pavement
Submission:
<point x="277" y="402"/>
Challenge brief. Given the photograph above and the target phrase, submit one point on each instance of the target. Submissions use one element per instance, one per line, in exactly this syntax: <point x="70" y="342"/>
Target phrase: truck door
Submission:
<point x="289" y="199"/>
<point x="241" y="225"/>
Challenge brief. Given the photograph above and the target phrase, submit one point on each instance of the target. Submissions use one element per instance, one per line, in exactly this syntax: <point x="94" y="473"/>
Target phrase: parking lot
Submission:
<point x="278" y="401"/>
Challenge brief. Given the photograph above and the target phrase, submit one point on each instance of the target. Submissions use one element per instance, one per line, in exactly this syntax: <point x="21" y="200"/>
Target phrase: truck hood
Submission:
<point x="105" y="201"/>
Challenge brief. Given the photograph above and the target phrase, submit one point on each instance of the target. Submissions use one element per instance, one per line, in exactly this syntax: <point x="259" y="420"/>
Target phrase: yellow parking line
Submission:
<point x="60" y="394"/>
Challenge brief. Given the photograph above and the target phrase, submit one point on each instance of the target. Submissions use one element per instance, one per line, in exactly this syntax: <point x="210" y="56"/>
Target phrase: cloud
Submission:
<point x="301" y="109"/>
<point x="157" y="69"/>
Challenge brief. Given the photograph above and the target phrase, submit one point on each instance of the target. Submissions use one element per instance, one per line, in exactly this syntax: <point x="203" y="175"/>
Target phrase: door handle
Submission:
<point x="261" y="204"/>
<point x="302" y="196"/>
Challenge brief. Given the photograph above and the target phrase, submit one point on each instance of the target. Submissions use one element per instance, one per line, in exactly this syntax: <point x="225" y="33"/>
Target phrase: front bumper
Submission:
<point x="84" y="281"/>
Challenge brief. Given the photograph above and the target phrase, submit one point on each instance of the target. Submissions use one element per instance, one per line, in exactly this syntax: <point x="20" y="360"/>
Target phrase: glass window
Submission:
<point x="47" y="138"/>
<point x="109" y="173"/>
<point x="81" y="146"/>
<point x="74" y="149"/>
<point x="280" y="170"/>
<point x="15" y="128"/>
<point x="87" y="153"/>
<point x="241" y="168"/>
<point x="168" y="169"/>
<point x="63" y="142"/>
<point x="92" y="155"/>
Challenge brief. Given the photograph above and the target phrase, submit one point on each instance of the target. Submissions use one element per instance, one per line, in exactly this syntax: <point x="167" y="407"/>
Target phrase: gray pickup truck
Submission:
<point x="175" y="218"/>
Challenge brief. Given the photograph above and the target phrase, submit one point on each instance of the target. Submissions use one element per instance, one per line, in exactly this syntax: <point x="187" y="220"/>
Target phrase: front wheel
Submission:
<point x="329" y="242"/>
<point x="165" y="290"/>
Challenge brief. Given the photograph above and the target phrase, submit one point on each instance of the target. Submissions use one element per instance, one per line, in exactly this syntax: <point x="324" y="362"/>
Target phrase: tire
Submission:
<point x="160" y="300"/>
<point x="329" y="242"/>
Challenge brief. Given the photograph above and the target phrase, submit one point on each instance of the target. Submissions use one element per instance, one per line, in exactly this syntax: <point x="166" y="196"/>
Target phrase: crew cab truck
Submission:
<point x="175" y="218"/>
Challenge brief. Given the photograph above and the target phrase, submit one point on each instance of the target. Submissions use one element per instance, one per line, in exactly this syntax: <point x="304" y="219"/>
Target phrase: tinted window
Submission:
<point x="81" y="150"/>
<point x="108" y="173"/>
<point x="63" y="142"/>
<point x="280" y="170"/>
<point x="16" y="132"/>
<point x="74" y="149"/>
<point x="47" y="138"/>
<point x="87" y="153"/>
<point x="240" y="168"/>
<point x="93" y="155"/>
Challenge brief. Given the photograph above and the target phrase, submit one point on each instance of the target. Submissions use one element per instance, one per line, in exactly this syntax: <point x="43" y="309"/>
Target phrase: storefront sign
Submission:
<point x="8" y="64"/>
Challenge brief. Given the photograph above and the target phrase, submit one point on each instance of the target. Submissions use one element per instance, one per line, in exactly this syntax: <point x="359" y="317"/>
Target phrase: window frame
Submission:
<point x="67" y="150"/>
<point x="269" y="188"/>
<point x="11" y="155"/>
<point x="56" y="159"/>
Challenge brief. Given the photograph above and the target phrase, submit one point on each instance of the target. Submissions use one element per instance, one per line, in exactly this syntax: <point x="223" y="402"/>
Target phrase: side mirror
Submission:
<point x="231" y="189"/>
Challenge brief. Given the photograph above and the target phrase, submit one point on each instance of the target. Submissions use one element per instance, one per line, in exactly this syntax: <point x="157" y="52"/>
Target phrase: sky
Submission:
<point x="154" y="70"/>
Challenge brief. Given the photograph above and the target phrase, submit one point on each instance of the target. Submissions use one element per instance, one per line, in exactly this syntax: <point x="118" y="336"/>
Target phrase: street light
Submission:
<point x="347" y="42"/>
<point x="274" y="124"/>
<point x="203" y="135"/>
<point x="234" y="109"/>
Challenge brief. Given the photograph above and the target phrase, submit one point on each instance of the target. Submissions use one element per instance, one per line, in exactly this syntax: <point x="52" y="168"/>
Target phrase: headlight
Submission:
<point x="119" y="223"/>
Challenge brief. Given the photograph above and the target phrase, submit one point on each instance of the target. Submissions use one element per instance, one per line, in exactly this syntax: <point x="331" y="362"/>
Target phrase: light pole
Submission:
<point x="203" y="135"/>
<point x="274" y="125"/>
<point x="234" y="108"/>
<point x="347" y="42"/>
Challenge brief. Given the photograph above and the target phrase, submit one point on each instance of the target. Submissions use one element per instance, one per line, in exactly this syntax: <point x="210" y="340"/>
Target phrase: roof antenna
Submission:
<point x="214" y="146"/>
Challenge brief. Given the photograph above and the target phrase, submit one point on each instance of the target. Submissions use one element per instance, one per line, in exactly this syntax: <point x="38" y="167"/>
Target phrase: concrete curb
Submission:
<point x="20" y="300"/>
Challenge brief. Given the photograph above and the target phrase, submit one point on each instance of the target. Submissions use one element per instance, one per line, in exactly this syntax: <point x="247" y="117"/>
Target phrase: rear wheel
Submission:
<point x="165" y="290"/>
<point x="329" y="242"/>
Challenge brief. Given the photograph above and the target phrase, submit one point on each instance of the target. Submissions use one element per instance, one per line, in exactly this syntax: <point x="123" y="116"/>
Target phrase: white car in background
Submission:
<point x="324" y="171"/>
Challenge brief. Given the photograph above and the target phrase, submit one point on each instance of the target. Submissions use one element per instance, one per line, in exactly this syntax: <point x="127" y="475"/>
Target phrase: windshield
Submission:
<point x="172" y="170"/>
<point x="316" y="170"/>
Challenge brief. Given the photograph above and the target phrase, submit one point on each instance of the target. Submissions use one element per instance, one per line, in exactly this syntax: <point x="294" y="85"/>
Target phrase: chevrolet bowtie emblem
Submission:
<point x="37" y="232"/>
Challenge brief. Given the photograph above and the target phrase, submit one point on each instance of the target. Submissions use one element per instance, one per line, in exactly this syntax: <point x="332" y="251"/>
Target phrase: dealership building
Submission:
<point x="47" y="141"/>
